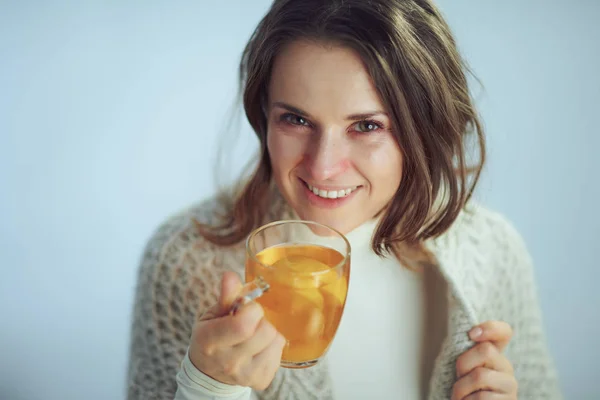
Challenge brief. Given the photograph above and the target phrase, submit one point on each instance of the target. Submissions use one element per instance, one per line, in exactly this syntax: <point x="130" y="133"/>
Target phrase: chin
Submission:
<point x="336" y="222"/>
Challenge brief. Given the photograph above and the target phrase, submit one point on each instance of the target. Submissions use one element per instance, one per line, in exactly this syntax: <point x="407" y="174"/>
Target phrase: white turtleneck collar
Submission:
<point x="361" y="237"/>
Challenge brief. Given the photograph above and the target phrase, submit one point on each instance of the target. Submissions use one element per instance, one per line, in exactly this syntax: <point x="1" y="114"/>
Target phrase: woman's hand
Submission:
<point x="483" y="372"/>
<point x="242" y="349"/>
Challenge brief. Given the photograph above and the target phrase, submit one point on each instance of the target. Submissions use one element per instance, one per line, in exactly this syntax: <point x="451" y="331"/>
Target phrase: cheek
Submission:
<point x="285" y="151"/>
<point x="383" y="166"/>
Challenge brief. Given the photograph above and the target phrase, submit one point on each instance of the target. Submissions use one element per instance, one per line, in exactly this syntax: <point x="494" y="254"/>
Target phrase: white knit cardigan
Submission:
<point x="482" y="258"/>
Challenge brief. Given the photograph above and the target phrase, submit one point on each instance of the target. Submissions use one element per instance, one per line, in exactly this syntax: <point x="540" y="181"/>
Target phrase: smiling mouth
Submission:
<point x="330" y="194"/>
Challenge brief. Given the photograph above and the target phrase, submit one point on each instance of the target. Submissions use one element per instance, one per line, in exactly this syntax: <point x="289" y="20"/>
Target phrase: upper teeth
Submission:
<point x="331" y="194"/>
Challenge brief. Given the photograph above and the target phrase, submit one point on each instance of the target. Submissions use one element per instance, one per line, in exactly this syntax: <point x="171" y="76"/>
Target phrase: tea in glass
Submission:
<point x="307" y="268"/>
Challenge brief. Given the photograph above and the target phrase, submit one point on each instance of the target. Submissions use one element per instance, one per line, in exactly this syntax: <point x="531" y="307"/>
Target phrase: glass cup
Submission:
<point x="305" y="267"/>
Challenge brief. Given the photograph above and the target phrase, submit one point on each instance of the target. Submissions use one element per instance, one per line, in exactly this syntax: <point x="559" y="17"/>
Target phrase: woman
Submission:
<point x="364" y="118"/>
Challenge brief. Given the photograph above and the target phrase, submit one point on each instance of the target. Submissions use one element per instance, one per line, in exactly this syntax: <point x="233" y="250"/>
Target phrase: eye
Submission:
<point x="367" y="126"/>
<point x="294" y="119"/>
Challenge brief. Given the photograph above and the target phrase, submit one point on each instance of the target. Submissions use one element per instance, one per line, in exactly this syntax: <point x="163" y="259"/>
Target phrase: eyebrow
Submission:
<point x="302" y="113"/>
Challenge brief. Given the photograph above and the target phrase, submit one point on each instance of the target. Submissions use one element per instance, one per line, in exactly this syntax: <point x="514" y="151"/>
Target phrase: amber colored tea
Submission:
<point x="306" y="298"/>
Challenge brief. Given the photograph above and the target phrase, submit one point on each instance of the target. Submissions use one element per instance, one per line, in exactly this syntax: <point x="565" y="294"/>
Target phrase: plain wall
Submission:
<point x="109" y="118"/>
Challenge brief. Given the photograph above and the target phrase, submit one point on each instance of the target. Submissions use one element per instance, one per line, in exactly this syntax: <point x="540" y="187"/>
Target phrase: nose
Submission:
<point x="327" y="156"/>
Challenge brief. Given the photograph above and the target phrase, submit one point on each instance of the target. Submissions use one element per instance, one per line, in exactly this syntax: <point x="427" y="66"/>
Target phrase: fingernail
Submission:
<point x="475" y="333"/>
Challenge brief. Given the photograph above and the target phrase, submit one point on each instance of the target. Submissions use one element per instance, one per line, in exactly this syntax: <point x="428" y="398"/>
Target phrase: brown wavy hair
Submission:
<point x="412" y="58"/>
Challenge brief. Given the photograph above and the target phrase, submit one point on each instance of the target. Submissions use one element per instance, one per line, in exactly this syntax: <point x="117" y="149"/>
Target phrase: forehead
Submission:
<point x="322" y="77"/>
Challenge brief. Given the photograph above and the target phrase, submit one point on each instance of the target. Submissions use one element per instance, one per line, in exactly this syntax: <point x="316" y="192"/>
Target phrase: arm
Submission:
<point x="177" y="274"/>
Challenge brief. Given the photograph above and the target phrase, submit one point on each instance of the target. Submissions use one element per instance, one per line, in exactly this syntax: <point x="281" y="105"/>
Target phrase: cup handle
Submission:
<point x="250" y="291"/>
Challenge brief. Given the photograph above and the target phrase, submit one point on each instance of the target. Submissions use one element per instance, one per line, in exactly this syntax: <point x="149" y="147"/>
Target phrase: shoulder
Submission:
<point x="485" y="257"/>
<point x="177" y="244"/>
<point x="488" y="262"/>
<point x="176" y="255"/>
<point x="178" y="232"/>
<point x="487" y="234"/>
<point x="501" y="233"/>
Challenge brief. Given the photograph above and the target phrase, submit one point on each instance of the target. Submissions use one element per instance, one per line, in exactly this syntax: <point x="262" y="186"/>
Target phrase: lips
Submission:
<point x="329" y="197"/>
<point x="331" y="194"/>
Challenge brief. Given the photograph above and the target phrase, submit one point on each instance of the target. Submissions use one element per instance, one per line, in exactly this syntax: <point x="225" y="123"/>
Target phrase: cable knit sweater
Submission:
<point x="483" y="259"/>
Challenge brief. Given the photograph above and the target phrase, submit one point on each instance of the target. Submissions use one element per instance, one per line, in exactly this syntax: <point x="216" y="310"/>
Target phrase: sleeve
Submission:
<point x="192" y="384"/>
<point x="177" y="278"/>
<point x="528" y="351"/>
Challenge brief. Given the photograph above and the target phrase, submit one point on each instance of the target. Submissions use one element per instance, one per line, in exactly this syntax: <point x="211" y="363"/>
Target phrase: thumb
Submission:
<point x="498" y="332"/>
<point x="230" y="289"/>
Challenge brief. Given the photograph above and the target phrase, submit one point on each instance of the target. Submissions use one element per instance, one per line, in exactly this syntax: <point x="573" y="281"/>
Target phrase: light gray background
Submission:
<point x="109" y="113"/>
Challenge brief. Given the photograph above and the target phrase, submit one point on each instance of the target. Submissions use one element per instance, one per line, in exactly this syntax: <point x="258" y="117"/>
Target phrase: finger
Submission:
<point x="230" y="288"/>
<point x="482" y="355"/>
<point x="262" y="338"/>
<point x="497" y="332"/>
<point x="230" y="330"/>
<point x="210" y="313"/>
<point x="483" y="379"/>
<point x="265" y="364"/>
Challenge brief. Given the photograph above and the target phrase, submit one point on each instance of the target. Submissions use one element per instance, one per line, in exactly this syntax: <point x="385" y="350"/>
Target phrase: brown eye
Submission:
<point x="294" y="119"/>
<point x="366" y="126"/>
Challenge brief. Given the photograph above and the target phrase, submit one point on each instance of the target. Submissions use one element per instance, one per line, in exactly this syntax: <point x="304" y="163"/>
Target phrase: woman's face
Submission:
<point x="334" y="157"/>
